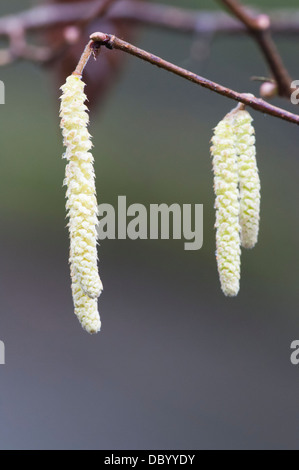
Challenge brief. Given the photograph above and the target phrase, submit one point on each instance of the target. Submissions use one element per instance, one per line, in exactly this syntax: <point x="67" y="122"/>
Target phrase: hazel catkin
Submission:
<point x="227" y="206"/>
<point x="81" y="203"/>
<point x="249" y="180"/>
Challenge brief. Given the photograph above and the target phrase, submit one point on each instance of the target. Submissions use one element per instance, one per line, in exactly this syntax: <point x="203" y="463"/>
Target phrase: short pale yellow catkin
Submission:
<point x="226" y="179"/>
<point x="81" y="203"/>
<point x="249" y="180"/>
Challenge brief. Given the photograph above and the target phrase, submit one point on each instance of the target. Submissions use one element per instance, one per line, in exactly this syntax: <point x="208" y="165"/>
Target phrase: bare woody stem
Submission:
<point x="251" y="22"/>
<point x="112" y="42"/>
<point x="84" y="59"/>
<point x="259" y="27"/>
<point x="79" y="14"/>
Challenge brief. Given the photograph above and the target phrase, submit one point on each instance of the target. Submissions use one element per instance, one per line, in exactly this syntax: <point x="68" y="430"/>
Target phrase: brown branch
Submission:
<point x="78" y="15"/>
<point x="259" y="28"/>
<point x="251" y="22"/>
<point x="39" y="18"/>
<point x="112" y="42"/>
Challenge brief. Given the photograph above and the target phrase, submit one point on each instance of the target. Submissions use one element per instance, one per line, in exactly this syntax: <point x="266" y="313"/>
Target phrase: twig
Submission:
<point x="84" y="59"/>
<point x="251" y="22"/>
<point x="163" y="16"/>
<point x="259" y="28"/>
<point x="112" y="42"/>
<point x="154" y="15"/>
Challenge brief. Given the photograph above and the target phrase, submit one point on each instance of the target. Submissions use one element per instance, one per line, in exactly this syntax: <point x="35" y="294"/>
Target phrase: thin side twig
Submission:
<point x="259" y="28"/>
<point x="84" y="59"/>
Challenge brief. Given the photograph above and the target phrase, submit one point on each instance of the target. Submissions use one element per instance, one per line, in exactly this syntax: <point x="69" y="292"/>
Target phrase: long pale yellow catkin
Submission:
<point x="249" y="180"/>
<point x="81" y="203"/>
<point x="226" y="179"/>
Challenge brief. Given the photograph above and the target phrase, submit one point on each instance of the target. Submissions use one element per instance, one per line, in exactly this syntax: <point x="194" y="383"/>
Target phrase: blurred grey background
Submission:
<point x="177" y="365"/>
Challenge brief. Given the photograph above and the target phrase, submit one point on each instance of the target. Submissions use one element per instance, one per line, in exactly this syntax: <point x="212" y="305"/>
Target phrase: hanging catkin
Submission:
<point x="249" y="180"/>
<point x="227" y="206"/>
<point x="81" y="203"/>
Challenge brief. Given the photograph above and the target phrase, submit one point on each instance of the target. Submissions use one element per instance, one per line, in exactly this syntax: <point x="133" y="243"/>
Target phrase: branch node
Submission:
<point x="102" y="39"/>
